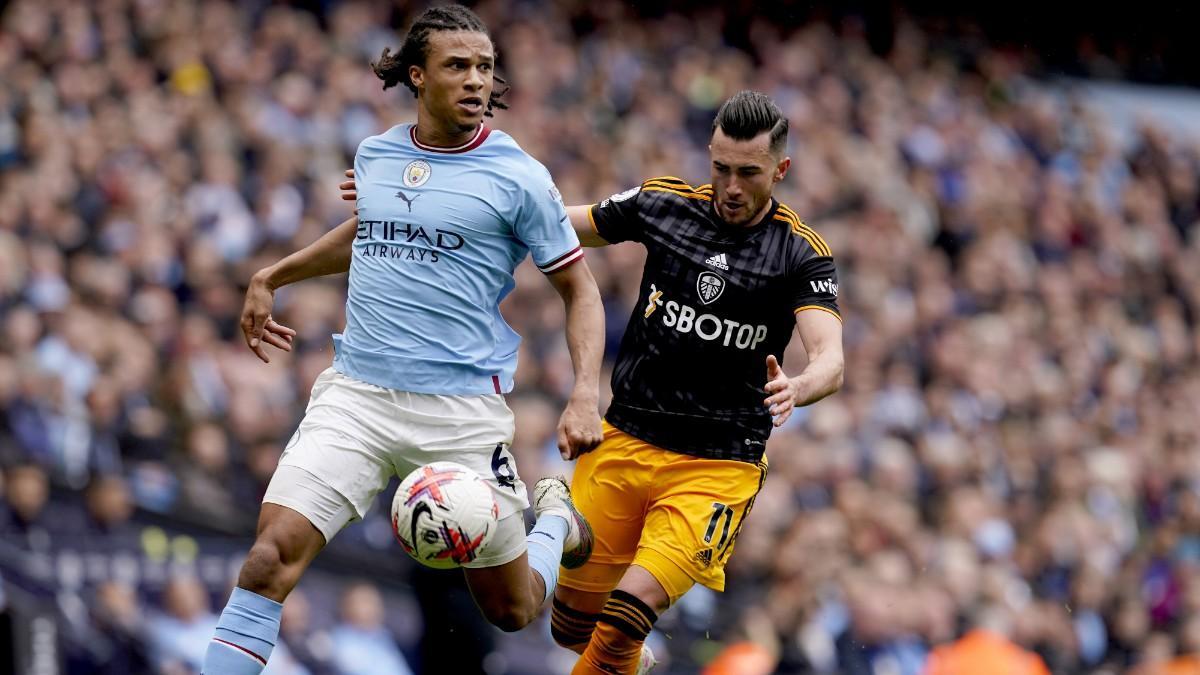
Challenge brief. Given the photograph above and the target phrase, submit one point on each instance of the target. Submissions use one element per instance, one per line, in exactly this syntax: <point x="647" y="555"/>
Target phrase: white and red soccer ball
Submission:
<point x="443" y="515"/>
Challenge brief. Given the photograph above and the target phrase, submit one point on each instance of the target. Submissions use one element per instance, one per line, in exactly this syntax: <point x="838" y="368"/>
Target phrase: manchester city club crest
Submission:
<point x="417" y="173"/>
<point x="709" y="285"/>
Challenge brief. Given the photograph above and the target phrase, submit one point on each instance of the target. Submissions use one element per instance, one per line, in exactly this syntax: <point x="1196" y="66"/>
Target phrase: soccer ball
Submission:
<point x="443" y="515"/>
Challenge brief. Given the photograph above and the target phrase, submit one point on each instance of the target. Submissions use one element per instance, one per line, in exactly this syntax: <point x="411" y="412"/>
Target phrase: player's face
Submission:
<point x="743" y="175"/>
<point x="456" y="82"/>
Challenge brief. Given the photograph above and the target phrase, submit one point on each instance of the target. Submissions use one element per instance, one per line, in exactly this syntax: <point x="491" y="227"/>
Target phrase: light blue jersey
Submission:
<point x="440" y="232"/>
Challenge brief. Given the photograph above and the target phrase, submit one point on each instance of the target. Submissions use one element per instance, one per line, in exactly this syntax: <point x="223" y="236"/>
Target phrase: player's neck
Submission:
<point x="762" y="213"/>
<point x="758" y="217"/>
<point x="430" y="132"/>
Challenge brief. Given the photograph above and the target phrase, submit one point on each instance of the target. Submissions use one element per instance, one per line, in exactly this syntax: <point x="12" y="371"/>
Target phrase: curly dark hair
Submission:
<point x="393" y="68"/>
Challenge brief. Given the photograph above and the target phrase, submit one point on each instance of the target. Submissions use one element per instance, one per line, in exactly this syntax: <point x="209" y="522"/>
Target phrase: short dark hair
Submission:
<point x="749" y="113"/>
<point x="393" y="68"/>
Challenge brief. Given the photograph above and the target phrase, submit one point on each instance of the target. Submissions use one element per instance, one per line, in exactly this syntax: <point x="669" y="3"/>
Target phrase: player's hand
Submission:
<point x="579" y="428"/>
<point x="781" y="392"/>
<point x="257" y="324"/>
<point x="349" y="191"/>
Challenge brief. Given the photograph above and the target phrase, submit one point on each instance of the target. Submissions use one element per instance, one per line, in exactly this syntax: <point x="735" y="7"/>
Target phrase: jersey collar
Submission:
<point x="477" y="140"/>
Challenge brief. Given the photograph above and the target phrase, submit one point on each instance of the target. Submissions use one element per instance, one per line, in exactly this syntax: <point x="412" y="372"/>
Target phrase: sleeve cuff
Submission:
<point x="823" y="309"/>
<point x="562" y="261"/>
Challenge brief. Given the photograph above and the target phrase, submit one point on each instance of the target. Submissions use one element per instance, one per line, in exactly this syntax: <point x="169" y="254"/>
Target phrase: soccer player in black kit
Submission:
<point x="729" y="272"/>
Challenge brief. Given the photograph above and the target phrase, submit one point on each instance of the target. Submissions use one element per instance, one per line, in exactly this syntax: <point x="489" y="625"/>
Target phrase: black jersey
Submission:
<point x="715" y="300"/>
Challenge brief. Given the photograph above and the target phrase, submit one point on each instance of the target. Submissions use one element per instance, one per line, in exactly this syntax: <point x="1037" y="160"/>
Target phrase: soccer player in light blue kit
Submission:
<point x="446" y="211"/>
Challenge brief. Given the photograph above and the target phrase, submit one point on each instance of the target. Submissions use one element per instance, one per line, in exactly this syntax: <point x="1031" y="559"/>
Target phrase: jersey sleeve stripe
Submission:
<point x="808" y="235"/>
<point x="823" y="309"/>
<point x="823" y="246"/>
<point x="689" y="195"/>
<point x="799" y="224"/>
<point x="682" y="187"/>
<point x="668" y="180"/>
<point x="562" y="261"/>
<point x="807" y="232"/>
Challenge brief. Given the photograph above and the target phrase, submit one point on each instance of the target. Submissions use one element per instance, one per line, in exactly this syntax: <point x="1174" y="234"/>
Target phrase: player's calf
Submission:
<point x="286" y="543"/>
<point x="570" y="627"/>
<point x="617" y="642"/>
<point x="249" y="625"/>
<point x="511" y="592"/>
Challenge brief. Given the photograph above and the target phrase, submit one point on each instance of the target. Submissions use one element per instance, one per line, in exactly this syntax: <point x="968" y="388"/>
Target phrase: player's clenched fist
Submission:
<point x="579" y="429"/>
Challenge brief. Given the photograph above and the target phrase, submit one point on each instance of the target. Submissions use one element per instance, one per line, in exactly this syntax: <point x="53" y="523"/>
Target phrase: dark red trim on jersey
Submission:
<point x="496" y="383"/>
<point x="252" y="655"/>
<point x="563" y="261"/>
<point x="476" y="141"/>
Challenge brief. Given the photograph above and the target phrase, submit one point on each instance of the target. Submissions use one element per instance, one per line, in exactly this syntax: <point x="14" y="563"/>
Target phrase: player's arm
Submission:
<point x="585" y="227"/>
<point x="328" y="255"/>
<point x="621" y="217"/>
<point x="821" y="332"/>
<point x="579" y="429"/>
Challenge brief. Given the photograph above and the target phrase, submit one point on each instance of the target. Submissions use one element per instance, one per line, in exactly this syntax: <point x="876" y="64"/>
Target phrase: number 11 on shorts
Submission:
<point x="719" y="509"/>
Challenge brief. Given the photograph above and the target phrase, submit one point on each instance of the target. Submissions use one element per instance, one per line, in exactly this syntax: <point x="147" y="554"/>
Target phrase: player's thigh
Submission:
<point x="610" y="487"/>
<point x="696" y="511"/>
<point x="475" y="431"/>
<point x="336" y="462"/>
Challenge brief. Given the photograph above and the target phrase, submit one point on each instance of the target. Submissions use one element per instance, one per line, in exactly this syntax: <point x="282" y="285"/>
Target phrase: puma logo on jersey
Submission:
<point x="407" y="200"/>
<point x="655" y="301"/>
<point x="827" y="286"/>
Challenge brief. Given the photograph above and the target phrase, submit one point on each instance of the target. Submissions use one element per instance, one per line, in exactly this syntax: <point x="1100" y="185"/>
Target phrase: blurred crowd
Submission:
<point x="1013" y="463"/>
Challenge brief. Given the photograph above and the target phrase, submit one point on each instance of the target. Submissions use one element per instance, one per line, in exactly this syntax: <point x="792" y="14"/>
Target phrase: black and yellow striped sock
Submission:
<point x="616" y="644"/>
<point x="629" y="614"/>
<point x="570" y="627"/>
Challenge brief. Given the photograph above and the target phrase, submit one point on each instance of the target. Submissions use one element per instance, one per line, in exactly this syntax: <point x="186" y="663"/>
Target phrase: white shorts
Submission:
<point x="355" y="436"/>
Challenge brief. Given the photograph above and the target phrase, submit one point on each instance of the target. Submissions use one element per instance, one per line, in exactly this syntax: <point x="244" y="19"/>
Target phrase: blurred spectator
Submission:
<point x="109" y="508"/>
<point x="179" y="636"/>
<point x="362" y="645"/>
<point x="309" y="647"/>
<point x="446" y="602"/>
<point x="208" y="485"/>
<point x="24" y="521"/>
<point x="986" y="650"/>
<point x="116" y="642"/>
<point x="741" y="658"/>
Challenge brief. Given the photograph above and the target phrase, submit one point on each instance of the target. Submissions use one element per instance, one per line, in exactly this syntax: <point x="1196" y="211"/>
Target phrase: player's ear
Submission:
<point x="416" y="74"/>
<point x="781" y="169"/>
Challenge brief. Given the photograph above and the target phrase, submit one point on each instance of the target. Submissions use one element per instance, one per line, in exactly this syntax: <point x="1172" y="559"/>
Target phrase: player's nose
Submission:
<point x="474" y="79"/>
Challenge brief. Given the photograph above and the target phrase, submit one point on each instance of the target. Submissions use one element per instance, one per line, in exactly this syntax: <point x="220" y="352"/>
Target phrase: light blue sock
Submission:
<point x="545" y="549"/>
<point x="245" y="635"/>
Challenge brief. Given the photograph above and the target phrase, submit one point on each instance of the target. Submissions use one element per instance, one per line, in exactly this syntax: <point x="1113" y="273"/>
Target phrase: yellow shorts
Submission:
<point x="675" y="515"/>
